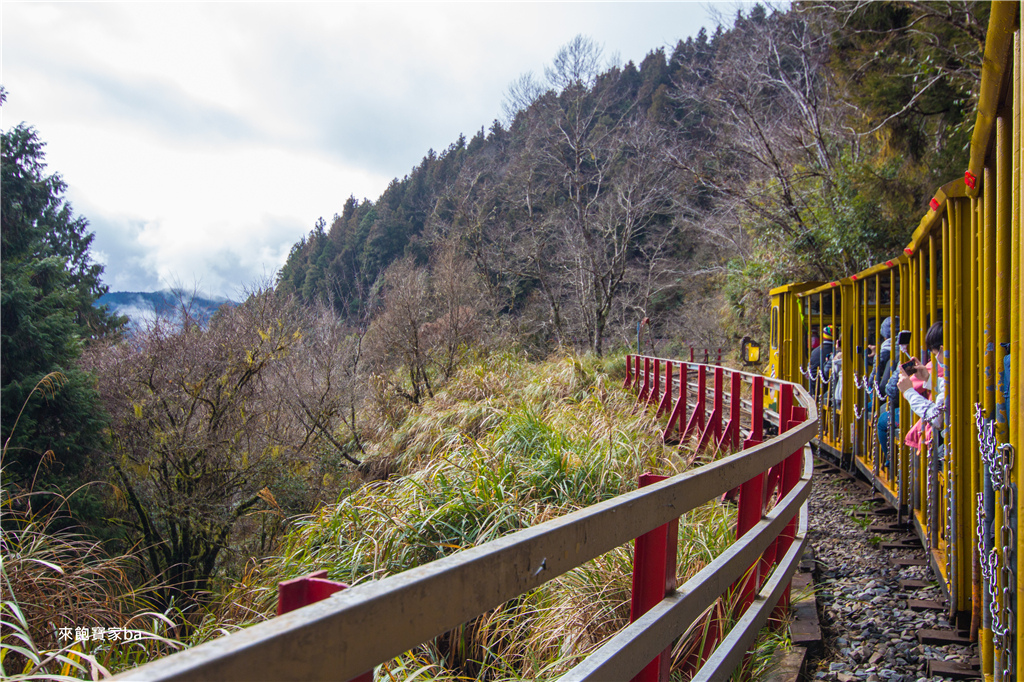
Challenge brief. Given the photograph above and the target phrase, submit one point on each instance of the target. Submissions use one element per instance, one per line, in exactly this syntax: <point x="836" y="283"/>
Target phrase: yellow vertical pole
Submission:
<point x="947" y="297"/>
<point x="976" y="376"/>
<point x="879" y="403"/>
<point x="1017" y="318"/>
<point x="1000" y="302"/>
<point x="990" y="650"/>
<point x="964" y="493"/>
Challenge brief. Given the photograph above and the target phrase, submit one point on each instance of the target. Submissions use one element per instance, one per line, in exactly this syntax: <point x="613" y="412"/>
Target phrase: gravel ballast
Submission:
<point x="871" y="624"/>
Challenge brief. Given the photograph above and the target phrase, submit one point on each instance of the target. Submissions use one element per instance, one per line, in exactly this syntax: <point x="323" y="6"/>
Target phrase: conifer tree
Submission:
<point x="49" y="284"/>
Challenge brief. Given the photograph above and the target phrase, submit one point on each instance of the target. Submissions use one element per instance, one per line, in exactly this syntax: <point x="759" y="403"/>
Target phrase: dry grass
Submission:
<point x="506" y="445"/>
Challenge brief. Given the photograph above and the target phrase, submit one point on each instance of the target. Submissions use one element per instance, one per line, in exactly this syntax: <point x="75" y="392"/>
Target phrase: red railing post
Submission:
<point x="790" y="477"/>
<point x="298" y="592"/>
<point x="677" y="419"/>
<point x="713" y="429"/>
<point x="731" y="433"/>
<point x="666" y="401"/>
<point x="691" y="353"/>
<point x="655" y="392"/>
<point x="646" y="386"/>
<point x="629" y="372"/>
<point x="750" y="508"/>
<point x="697" y="418"/>
<point x="654" y="576"/>
<point x="756" y="413"/>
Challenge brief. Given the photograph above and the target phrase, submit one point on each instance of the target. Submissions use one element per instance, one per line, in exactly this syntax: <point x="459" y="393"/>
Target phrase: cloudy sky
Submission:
<point x="202" y="140"/>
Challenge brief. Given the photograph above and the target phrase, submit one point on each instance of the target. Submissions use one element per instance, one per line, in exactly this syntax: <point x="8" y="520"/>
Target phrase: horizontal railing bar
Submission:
<point x="624" y="655"/>
<point x="729" y="654"/>
<point x="769" y="382"/>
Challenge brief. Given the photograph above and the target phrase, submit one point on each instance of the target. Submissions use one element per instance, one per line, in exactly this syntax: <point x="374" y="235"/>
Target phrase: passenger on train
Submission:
<point x="929" y="411"/>
<point x="836" y="373"/>
<point x="880" y="374"/>
<point x="1003" y="408"/>
<point x="880" y="379"/>
<point x="820" y="363"/>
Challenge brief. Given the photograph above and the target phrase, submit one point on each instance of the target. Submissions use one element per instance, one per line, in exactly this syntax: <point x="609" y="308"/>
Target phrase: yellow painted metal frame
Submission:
<point x="963" y="265"/>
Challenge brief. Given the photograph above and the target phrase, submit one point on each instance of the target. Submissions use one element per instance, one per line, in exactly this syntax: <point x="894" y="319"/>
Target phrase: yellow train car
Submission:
<point x="957" y="484"/>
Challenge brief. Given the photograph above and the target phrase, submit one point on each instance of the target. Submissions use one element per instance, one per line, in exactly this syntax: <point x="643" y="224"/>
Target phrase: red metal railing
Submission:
<point x="349" y="631"/>
<point x="654" y="558"/>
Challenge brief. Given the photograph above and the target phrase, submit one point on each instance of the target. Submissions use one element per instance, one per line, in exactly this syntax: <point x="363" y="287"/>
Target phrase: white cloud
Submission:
<point x="202" y="140"/>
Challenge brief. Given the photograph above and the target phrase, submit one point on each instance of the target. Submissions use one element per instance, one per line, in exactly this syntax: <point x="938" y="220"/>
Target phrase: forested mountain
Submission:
<point x="794" y="145"/>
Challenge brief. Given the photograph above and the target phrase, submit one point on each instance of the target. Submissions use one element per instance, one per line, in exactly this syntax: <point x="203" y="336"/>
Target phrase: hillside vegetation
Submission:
<point x="796" y="145"/>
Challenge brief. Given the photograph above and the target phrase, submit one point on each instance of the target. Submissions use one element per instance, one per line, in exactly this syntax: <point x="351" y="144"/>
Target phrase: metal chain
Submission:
<point x="996" y="567"/>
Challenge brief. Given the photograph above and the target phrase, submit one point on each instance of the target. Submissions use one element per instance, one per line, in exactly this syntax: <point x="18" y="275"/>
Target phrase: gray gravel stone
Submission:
<point x="870" y="633"/>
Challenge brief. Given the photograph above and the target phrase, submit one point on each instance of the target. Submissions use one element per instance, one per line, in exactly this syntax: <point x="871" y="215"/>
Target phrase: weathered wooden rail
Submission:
<point x="352" y="631"/>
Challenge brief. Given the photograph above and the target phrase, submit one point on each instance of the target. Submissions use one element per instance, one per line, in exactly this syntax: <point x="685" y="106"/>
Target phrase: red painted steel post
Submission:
<point x="666" y="400"/>
<point x="646" y="387"/>
<point x="629" y="372"/>
<point x="655" y="392"/>
<point x="719" y="402"/>
<point x="691" y="353"/>
<point x="756" y="413"/>
<point x="677" y="419"/>
<point x="298" y="592"/>
<point x="654" y="576"/>
<point x="731" y="433"/>
<point x="697" y="418"/>
<point x="636" y="373"/>
<point x="790" y="477"/>
<point x="750" y="508"/>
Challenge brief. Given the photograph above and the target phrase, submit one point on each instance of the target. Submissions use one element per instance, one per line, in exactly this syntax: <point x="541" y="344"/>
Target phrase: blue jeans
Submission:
<point x="883" y="431"/>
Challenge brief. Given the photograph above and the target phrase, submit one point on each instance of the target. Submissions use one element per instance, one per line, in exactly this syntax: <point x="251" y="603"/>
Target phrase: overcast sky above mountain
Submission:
<point x="202" y="140"/>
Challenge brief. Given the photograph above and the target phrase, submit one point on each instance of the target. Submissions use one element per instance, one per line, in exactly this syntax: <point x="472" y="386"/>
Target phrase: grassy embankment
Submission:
<point x="505" y="445"/>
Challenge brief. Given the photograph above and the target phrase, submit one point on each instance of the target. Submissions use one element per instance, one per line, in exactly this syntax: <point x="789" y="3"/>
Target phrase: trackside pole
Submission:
<point x="654" y="576"/>
<point x="298" y="592"/>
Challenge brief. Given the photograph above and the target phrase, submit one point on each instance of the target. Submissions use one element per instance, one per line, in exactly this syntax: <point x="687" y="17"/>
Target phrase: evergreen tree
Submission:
<point x="49" y="284"/>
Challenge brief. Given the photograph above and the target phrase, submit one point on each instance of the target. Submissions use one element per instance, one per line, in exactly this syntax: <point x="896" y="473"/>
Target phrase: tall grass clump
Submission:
<point x="505" y="445"/>
<point x="63" y="597"/>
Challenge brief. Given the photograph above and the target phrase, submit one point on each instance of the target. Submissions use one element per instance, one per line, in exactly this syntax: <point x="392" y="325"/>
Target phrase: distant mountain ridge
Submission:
<point x="144" y="307"/>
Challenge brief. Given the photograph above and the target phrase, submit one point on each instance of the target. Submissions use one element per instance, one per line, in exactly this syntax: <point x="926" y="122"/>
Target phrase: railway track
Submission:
<point x="881" y="609"/>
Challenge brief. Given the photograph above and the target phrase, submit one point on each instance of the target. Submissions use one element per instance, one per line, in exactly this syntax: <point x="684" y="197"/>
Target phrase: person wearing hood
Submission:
<point x="880" y="379"/>
<point x="880" y="375"/>
<point x="821" y="359"/>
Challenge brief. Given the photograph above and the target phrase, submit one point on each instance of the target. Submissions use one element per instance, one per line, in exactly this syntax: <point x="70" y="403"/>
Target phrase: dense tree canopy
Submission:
<point x="49" y="286"/>
<point x="797" y="144"/>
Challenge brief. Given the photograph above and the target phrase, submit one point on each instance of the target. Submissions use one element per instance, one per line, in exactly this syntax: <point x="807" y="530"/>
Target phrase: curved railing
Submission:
<point x="348" y="633"/>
